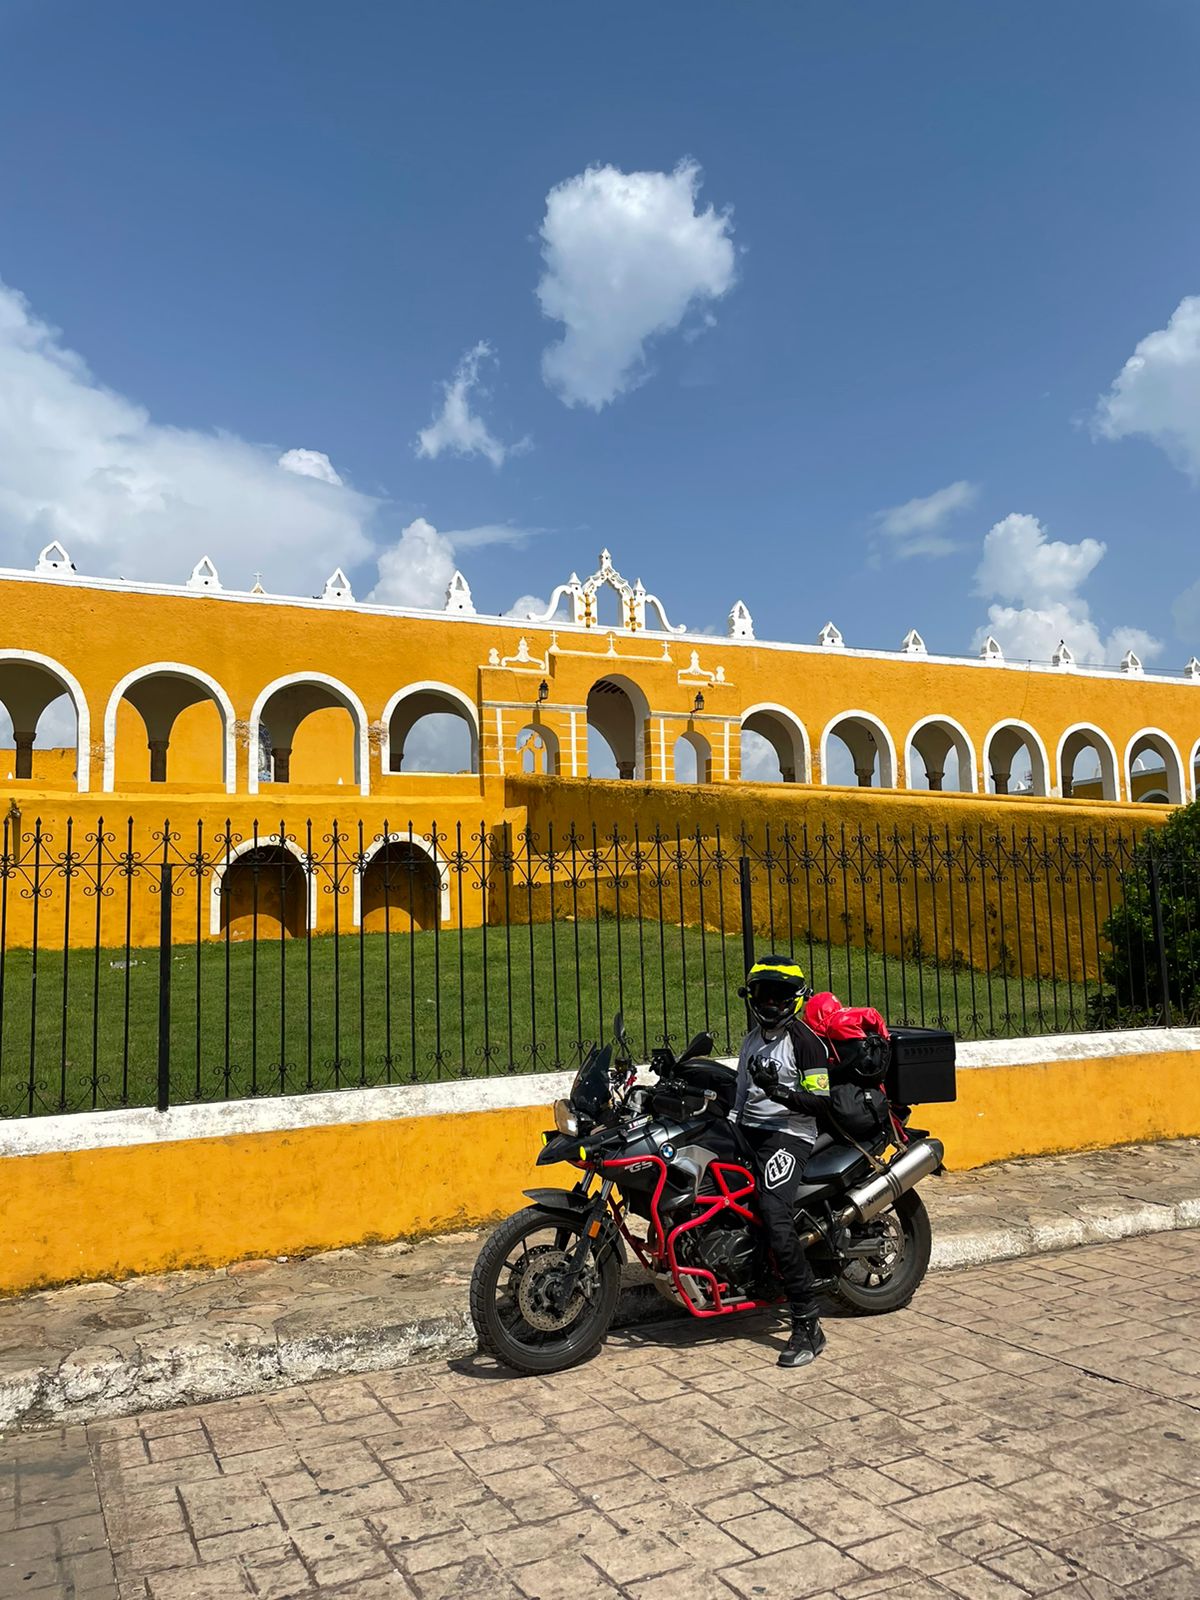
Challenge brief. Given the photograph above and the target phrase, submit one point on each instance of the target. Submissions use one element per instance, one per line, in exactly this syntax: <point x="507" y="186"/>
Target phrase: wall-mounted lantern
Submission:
<point x="543" y="692"/>
<point x="698" y="704"/>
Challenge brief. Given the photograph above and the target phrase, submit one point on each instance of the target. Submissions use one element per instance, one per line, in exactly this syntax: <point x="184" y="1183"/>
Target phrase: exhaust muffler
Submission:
<point x="903" y="1172"/>
<point x="913" y="1163"/>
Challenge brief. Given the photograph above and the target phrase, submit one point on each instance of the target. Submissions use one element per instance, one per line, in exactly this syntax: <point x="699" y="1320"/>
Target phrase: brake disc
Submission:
<point x="542" y="1269"/>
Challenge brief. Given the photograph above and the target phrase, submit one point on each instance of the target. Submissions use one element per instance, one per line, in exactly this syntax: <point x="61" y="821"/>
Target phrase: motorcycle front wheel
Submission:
<point x="887" y="1278"/>
<point x="516" y="1300"/>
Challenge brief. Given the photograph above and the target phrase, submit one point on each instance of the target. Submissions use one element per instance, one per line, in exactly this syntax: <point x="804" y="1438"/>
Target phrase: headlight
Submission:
<point x="564" y="1118"/>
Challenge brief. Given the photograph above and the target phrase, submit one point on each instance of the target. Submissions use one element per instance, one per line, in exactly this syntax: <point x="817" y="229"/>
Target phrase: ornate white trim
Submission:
<point x="1064" y="657"/>
<point x="171" y="669"/>
<point x="694" y="673"/>
<point x="741" y="623"/>
<point x="1192" y="671"/>
<point x="204" y="575"/>
<point x="1105" y="745"/>
<point x="792" y="723"/>
<point x="348" y="698"/>
<point x="1132" y="663"/>
<point x="830" y="638"/>
<point x="83" y="719"/>
<point x="990" y="652"/>
<point x="54" y="562"/>
<point x="521" y="662"/>
<point x="458" y="597"/>
<point x="912" y="644"/>
<point x="582" y="596"/>
<point x="337" y="588"/>
<point x="889" y="771"/>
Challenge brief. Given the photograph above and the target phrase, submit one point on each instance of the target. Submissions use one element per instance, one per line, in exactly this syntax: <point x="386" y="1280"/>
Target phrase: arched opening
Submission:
<point x="300" y="733"/>
<point x="1014" y="761"/>
<point x="1087" y="765"/>
<point x="691" y="759"/>
<point x="401" y="889"/>
<point x="1194" y="770"/>
<point x="44" y="730"/>
<point x="617" y="713"/>
<point x="774" y="746"/>
<point x="169" y="723"/>
<point x="537" y="751"/>
<point x="856" y="748"/>
<point x="1154" y="769"/>
<point x="939" y="755"/>
<point x="431" y="727"/>
<point x="264" y="889"/>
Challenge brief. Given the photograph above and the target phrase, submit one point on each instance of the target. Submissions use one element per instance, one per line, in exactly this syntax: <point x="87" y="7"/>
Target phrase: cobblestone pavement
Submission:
<point x="1027" y="1428"/>
<point x="105" y="1349"/>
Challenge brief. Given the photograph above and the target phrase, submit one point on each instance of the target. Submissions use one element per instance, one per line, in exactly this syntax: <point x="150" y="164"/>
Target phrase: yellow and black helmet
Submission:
<point x="775" y="990"/>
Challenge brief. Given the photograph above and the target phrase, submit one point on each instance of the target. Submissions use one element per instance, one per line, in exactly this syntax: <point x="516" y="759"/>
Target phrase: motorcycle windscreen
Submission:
<point x="591" y="1093"/>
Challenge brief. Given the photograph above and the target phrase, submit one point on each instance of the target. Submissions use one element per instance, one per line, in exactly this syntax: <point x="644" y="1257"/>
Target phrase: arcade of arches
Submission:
<point x="243" y="694"/>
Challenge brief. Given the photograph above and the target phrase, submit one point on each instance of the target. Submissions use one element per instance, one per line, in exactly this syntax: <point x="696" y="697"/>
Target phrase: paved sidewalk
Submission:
<point x="114" y="1349"/>
<point x="1026" y="1428"/>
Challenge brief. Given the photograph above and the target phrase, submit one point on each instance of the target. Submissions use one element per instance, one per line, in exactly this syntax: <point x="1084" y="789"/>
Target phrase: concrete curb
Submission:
<point x="98" y="1381"/>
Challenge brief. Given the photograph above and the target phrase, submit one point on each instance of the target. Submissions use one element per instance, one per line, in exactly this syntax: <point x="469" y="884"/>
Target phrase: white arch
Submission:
<point x="83" y="720"/>
<point x="1037" y="750"/>
<point x="369" y="854"/>
<point x="1193" y="782"/>
<point x="264" y="841"/>
<point x="170" y="669"/>
<point x="790" y="721"/>
<point x="972" y="785"/>
<point x="1177" y="783"/>
<point x="348" y="698"/>
<point x="430" y="686"/>
<point x="640" y="706"/>
<point x="888" y="765"/>
<point x="1104" y="744"/>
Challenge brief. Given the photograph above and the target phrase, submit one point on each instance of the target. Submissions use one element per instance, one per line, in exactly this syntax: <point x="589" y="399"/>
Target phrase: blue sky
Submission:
<point x="938" y="233"/>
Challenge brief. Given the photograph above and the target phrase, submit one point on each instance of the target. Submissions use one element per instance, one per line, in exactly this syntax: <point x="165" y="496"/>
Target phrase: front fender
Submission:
<point x="570" y="1205"/>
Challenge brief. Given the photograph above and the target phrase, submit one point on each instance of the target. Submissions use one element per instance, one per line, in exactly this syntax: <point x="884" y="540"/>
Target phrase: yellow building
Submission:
<point x="201" y="691"/>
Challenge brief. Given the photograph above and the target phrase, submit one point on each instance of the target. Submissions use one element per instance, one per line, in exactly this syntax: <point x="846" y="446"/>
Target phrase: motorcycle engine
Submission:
<point x="725" y="1246"/>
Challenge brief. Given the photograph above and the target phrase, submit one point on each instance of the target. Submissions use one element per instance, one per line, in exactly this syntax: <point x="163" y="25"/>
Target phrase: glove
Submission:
<point x="764" y="1075"/>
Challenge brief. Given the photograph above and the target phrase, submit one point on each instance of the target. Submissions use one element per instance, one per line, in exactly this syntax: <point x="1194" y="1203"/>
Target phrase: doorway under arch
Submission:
<point x="264" y="888"/>
<point x="862" y="745"/>
<point x="46" y="710"/>
<point x="939" y="755"/>
<point x="618" y="712"/>
<point x="774" y="740"/>
<point x="1087" y="760"/>
<point x="401" y="888"/>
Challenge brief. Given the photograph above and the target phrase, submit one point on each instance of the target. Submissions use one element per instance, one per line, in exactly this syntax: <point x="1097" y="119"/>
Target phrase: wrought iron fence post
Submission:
<point x="747" y="918"/>
<point x="164" y="985"/>
<point x="1160" y="937"/>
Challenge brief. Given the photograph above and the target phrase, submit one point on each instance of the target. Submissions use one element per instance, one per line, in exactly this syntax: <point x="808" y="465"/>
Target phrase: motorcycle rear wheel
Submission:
<point x="512" y="1304"/>
<point x="870" y="1286"/>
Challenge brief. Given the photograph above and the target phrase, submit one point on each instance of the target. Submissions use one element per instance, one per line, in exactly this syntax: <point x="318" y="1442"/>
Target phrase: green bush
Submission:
<point x="1166" y="861"/>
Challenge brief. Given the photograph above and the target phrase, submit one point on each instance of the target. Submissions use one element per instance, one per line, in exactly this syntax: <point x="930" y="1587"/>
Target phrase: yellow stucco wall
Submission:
<point x="109" y="1213"/>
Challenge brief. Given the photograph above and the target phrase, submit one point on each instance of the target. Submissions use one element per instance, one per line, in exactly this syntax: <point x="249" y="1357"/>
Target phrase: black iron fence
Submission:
<point x="200" y="964"/>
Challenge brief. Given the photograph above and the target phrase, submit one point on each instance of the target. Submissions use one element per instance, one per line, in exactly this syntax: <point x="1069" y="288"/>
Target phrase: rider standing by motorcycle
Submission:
<point x="782" y="1090"/>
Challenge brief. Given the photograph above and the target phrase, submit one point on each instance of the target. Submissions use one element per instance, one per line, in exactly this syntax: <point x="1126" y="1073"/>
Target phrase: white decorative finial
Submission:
<point x="258" y="587"/>
<point x="830" y="637"/>
<point x="54" y="561"/>
<point x="204" y="575"/>
<point x="1064" y="657"/>
<point x="337" y="586"/>
<point x="912" y="644"/>
<point x="1192" y="670"/>
<point x="741" y="623"/>
<point x="458" y="596"/>
<point x="1131" y="663"/>
<point x="991" y="651"/>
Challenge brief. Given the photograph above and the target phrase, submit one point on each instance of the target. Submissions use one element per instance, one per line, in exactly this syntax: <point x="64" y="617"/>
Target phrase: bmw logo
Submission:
<point x="668" y="1152"/>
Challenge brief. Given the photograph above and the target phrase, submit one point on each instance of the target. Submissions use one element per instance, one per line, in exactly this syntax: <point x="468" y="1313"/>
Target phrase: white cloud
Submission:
<point x="526" y="606"/>
<point x="456" y="427"/>
<point x="310" y="464"/>
<point x="626" y="255"/>
<point x="1157" y="391"/>
<point x="129" y="496"/>
<point x="1043" y="576"/>
<point x="416" y="570"/>
<point x="913" y="529"/>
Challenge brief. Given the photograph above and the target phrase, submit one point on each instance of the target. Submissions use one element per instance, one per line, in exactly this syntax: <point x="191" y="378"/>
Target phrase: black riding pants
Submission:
<point x="779" y="1158"/>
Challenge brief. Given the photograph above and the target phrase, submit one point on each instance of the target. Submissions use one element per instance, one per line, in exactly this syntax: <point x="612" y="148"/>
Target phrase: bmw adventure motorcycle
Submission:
<point x="665" y="1175"/>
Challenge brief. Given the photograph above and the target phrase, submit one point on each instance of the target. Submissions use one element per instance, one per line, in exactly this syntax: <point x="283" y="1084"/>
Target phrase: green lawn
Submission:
<point x="335" y="1012"/>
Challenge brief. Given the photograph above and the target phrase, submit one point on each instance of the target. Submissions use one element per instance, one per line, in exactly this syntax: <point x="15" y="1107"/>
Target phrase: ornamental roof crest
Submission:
<point x="582" y="597"/>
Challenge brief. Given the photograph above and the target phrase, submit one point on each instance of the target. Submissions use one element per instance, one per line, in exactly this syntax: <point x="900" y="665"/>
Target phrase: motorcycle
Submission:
<point x="666" y="1175"/>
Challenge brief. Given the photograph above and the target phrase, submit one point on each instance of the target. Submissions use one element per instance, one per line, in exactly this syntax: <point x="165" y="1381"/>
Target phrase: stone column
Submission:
<point x="626" y="769"/>
<point x="1000" y="778"/>
<point x="864" y="775"/>
<point x="934" y="778"/>
<point x="24" y="746"/>
<point x="158" y="760"/>
<point x="281" y="763"/>
<point x="788" y="774"/>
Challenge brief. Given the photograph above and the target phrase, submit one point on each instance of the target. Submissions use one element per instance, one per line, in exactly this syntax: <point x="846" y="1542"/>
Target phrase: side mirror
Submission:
<point x="701" y="1045"/>
<point x="624" y="1048"/>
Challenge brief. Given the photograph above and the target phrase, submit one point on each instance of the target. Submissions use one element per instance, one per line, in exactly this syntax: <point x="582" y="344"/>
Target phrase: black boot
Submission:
<point x="806" y="1343"/>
